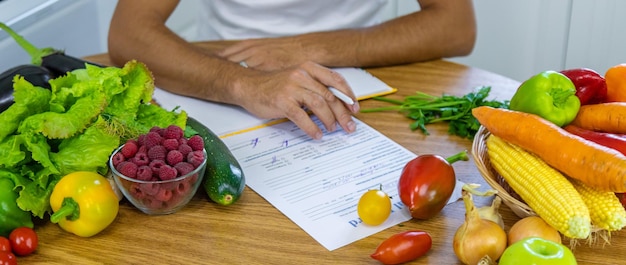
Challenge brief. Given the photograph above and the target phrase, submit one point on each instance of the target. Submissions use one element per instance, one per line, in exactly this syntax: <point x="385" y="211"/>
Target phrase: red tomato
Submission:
<point x="23" y="241"/>
<point x="426" y="184"/>
<point x="403" y="247"/>
<point x="5" y="244"/>
<point x="7" y="258"/>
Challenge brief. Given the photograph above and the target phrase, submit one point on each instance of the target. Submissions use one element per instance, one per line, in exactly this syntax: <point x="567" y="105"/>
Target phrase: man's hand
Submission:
<point x="267" y="54"/>
<point x="291" y="92"/>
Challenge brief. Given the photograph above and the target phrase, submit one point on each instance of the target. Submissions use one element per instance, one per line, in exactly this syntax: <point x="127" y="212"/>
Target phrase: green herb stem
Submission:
<point x="425" y="109"/>
<point x="434" y="106"/>
<point x="461" y="156"/>
<point x="393" y="101"/>
<point x="381" y="109"/>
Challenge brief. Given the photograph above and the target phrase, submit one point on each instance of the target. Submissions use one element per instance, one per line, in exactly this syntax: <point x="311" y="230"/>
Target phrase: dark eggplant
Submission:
<point x="36" y="75"/>
<point x="55" y="60"/>
<point x="60" y="63"/>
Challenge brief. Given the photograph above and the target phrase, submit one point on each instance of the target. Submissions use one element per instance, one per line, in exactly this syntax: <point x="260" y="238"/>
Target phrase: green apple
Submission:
<point x="537" y="251"/>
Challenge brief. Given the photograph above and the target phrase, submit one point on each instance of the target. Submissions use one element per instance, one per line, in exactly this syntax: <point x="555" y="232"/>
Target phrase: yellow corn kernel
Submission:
<point x="543" y="188"/>
<point x="605" y="210"/>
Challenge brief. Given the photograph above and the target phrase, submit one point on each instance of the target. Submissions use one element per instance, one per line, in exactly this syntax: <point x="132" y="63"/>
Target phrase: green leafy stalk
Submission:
<point x="426" y="109"/>
<point x="35" y="53"/>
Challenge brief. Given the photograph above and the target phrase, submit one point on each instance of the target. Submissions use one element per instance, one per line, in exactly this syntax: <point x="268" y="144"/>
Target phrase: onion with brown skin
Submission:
<point x="491" y="212"/>
<point x="478" y="237"/>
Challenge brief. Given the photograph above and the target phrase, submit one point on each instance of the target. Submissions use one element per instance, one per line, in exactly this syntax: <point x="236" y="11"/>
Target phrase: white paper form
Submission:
<point x="317" y="183"/>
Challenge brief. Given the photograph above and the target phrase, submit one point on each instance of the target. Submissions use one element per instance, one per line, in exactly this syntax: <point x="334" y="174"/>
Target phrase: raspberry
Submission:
<point x="182" y="187"/>
<point x="182" y="140"/>
<point x="173" y="132"/>
<point x="156" y="129"/>
<point x="142" y="149"/>
<point x="170" y="144"/>
<point x="167" y="172"/>
<point x="163" y="195"/>
<point x="140" y="139"/>
<point x="144" y="173"/>
<point x="152" y="139"/>
<point x="149" y="188"/>
<point x="174" y="157"/>
<point x="156" y="165"/>
<point x="130" y="148"/>
<point x="149" y="203"/>
<point x="191" y="180"/>
<point x="140" y="159"/>
<point x="184" y="168"/>
<point x="184" y="149"/>
<point x="176" y="198"/>
<point x="136" y="191"/>
<point x="196" y="142"/>
<point x="118" y="158"/>
<point x="128" y="169"/>
<point x="157" y="152"/>
<point x="195" y="158"/>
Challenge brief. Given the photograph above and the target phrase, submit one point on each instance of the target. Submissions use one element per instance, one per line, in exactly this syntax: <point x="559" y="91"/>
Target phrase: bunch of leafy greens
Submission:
<point x="75" y="126"/>
<point x="425" y="109"/>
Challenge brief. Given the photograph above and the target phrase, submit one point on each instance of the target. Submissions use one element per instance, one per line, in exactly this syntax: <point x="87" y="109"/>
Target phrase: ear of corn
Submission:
<point x="548" y="192"/>
<point x="605" y="210"/>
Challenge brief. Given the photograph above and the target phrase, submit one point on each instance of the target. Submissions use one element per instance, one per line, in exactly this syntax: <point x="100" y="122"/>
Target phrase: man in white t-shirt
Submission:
<point x="287" y="48"/>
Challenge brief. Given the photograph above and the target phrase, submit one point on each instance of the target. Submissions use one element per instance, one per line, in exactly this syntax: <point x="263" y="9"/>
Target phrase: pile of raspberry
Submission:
<point x="160" y="154"/>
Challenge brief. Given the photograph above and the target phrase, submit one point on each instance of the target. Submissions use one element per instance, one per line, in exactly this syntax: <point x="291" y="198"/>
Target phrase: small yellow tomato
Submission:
<point x="374" y="207"/>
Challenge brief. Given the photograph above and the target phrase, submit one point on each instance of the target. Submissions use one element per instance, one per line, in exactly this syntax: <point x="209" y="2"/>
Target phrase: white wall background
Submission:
<point x="521" y="38"/>
<point x="515" y="38"/>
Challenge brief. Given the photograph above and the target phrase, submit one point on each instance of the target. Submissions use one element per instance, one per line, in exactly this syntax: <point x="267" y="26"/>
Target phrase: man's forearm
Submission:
<point x="177" y="65"/>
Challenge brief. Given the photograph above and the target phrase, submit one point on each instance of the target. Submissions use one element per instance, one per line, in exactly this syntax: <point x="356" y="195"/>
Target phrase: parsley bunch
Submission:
<point x="425" y="109"/>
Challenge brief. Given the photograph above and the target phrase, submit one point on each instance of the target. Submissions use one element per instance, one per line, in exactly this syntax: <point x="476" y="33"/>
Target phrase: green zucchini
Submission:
<point x="224" y="180"/>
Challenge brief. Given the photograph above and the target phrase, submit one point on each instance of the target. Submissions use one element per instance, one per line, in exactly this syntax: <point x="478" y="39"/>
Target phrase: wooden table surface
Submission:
<point x="254" y="232"/>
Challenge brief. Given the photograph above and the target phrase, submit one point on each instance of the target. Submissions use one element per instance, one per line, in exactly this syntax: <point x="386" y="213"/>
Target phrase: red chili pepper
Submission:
<point x="611" y="140"/>
<point x="615" y="141"/>
<point x="622" y="198"/>
<point x="590" y="86"/>
<point x="403" y="247"/>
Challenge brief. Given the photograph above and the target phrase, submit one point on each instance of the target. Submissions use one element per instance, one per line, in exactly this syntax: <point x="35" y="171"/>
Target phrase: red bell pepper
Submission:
<point x="590" y="86"/>
<point x="614" y="141"/>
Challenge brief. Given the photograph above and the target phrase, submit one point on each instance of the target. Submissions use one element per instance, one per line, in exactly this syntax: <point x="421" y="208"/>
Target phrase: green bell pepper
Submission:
<point x="550" y="95"/>
<point x="11" y="215"/>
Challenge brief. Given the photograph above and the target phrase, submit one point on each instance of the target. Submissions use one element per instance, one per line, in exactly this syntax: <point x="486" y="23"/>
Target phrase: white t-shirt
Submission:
<point x="242" y="19"/>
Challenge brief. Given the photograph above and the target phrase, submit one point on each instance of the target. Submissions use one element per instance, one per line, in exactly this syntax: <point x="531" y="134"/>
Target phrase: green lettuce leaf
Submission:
<point x="39" y="149"/>
<point x="88" y="151"/>
<point x="11" y="153"/>
<point x="35" y="195"/>
<point x="138" y="89"/>
<point x="28" y="100"/>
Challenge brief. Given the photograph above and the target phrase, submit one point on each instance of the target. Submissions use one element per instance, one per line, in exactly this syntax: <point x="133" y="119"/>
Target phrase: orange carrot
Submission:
<point x="593" y="164"/>
<point x="604" y="117"/>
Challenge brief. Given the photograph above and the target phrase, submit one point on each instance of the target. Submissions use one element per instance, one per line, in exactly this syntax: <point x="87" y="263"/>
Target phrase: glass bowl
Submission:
<point x="159" y="197"/>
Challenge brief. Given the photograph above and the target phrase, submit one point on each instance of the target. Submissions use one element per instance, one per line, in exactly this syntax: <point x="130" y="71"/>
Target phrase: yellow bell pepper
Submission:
<point x="84" y="203"/>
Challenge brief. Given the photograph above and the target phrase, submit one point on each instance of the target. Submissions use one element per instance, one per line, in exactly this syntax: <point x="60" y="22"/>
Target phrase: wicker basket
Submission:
<point x="481" y="158"/>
